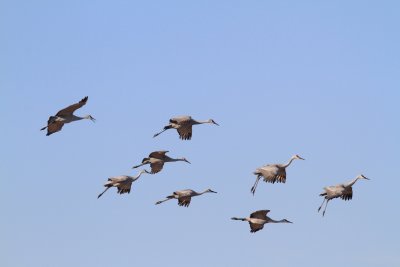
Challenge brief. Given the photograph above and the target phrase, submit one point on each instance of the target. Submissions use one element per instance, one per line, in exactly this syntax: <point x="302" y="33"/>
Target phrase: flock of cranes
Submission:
<point x="271" y="173"/>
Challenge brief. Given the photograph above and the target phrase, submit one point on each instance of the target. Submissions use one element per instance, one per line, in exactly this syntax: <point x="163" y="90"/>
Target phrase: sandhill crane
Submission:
<point x="183" y="124"/>
<point x="157" y="159"/>
<point x="344" y="191"/>
<point x="66" y="115"/>
<point x="273" y="173"/>
<point x="184" y="196"/>
<point x="123" y="183"/>
<point x="257" y="220"/>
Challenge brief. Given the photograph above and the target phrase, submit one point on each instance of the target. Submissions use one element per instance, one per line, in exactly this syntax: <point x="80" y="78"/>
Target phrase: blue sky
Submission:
<point x="318" y="79"/>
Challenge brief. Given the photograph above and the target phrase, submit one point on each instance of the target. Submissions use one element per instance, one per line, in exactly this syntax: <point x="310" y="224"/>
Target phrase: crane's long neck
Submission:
<point x="351" y="182"/>
<point x="137" y="176"/>
<point x="205" y="191"/>
<point x="273" y="221"/>
<point x="201" y="122"/>
<point x="77" y="118"/>
<point x="173" y="160"/>
<point x="289" y="162"/>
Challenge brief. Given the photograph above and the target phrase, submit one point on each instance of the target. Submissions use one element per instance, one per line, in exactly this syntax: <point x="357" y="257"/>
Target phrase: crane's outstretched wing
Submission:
<point x="260" y="214"/>
<point x="70" y="109"/>
<point x="122" y="182"/>
<point x="180" y="120"/>
<point x="156" y="166"/>
<point x="184" y="201"/>
<point x="347" y="193"/>
<point x="183" y="125"/>
<point x="334" y="191"/>
<point x="124" y="188"/>
<point x="158" y="154"/>
<point x="273" y="174"/>
<point x="53" y="126"/>
<point x="255" y="227"/>
<point x="185" y="132"/>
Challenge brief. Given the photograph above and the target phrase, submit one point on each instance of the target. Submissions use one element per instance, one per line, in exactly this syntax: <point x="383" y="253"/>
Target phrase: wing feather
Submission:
<point x="255" y="227"/>
<point x="272" y="173"/>
<point x="54" y="126"/>
<point x="347" y="193"/>
<point x="158" y="154"/>
<point x="156" y="166"/>
<point x="180" y="119"/>
<point x="70" y="109"/>
<point x="184" y="201"/>
<point x="260" y="214"/>
<point x="185" y="132"/>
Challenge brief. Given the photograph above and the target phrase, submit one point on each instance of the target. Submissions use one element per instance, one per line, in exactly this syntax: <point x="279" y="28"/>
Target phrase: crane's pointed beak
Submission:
<point x="187" y="161"/>
<point x="216" y="123"/>
<point x="213" y="191"/>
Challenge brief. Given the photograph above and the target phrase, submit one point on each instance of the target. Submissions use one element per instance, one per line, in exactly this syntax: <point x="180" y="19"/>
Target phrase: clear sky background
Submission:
<point x="314" y="78"/>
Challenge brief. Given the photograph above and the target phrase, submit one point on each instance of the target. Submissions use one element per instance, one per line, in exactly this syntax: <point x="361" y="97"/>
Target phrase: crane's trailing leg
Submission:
<point x="103" y="192"/>
<point x="165" y="128"/>
<point x="238" y="219"/>
<point x="321" y="204"/>
<point x="168" y="198"/>
<point x="323" y="213"/>
<point x="253" y="189"/>
<point x="137" y="166"/>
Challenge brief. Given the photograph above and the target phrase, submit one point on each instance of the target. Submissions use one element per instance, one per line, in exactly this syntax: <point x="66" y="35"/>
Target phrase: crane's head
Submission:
<point x="185" y="160"/>
<point x="361" y="176"/>
<point x="89" y="117"/>
<point x="210" y="191"/>
<point x="297" y="157"/>
<point x="212" y="122"/>
<point x="286" y="221"/>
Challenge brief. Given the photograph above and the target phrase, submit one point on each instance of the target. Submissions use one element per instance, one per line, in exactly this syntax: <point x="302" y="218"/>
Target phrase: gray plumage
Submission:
<point x="257" y="220"/>
<point x="66" y="115"/>
<point x="184" y="196"/>
<point x="344" y="191"/>
<point x="183" y="124"/>
<point x="272" y="173"/>
<point x="157" y="159"/>
<point x="122" y="182"/>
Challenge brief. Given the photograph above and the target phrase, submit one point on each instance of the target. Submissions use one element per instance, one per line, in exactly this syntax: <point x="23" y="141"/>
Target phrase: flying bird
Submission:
<point x="183" y="124"/>
<point x="344" y="191"/>
<point x="157" y="159"/>
<point x="272" y="173"/>
<point x="123" y="183"/>
<point x="257" y="220"/>
<point x="66" y="115"/>
<point x="184" y="196"/>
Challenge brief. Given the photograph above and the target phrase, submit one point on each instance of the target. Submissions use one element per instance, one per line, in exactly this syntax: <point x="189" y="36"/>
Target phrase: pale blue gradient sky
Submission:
<point x="283" y="77"/>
